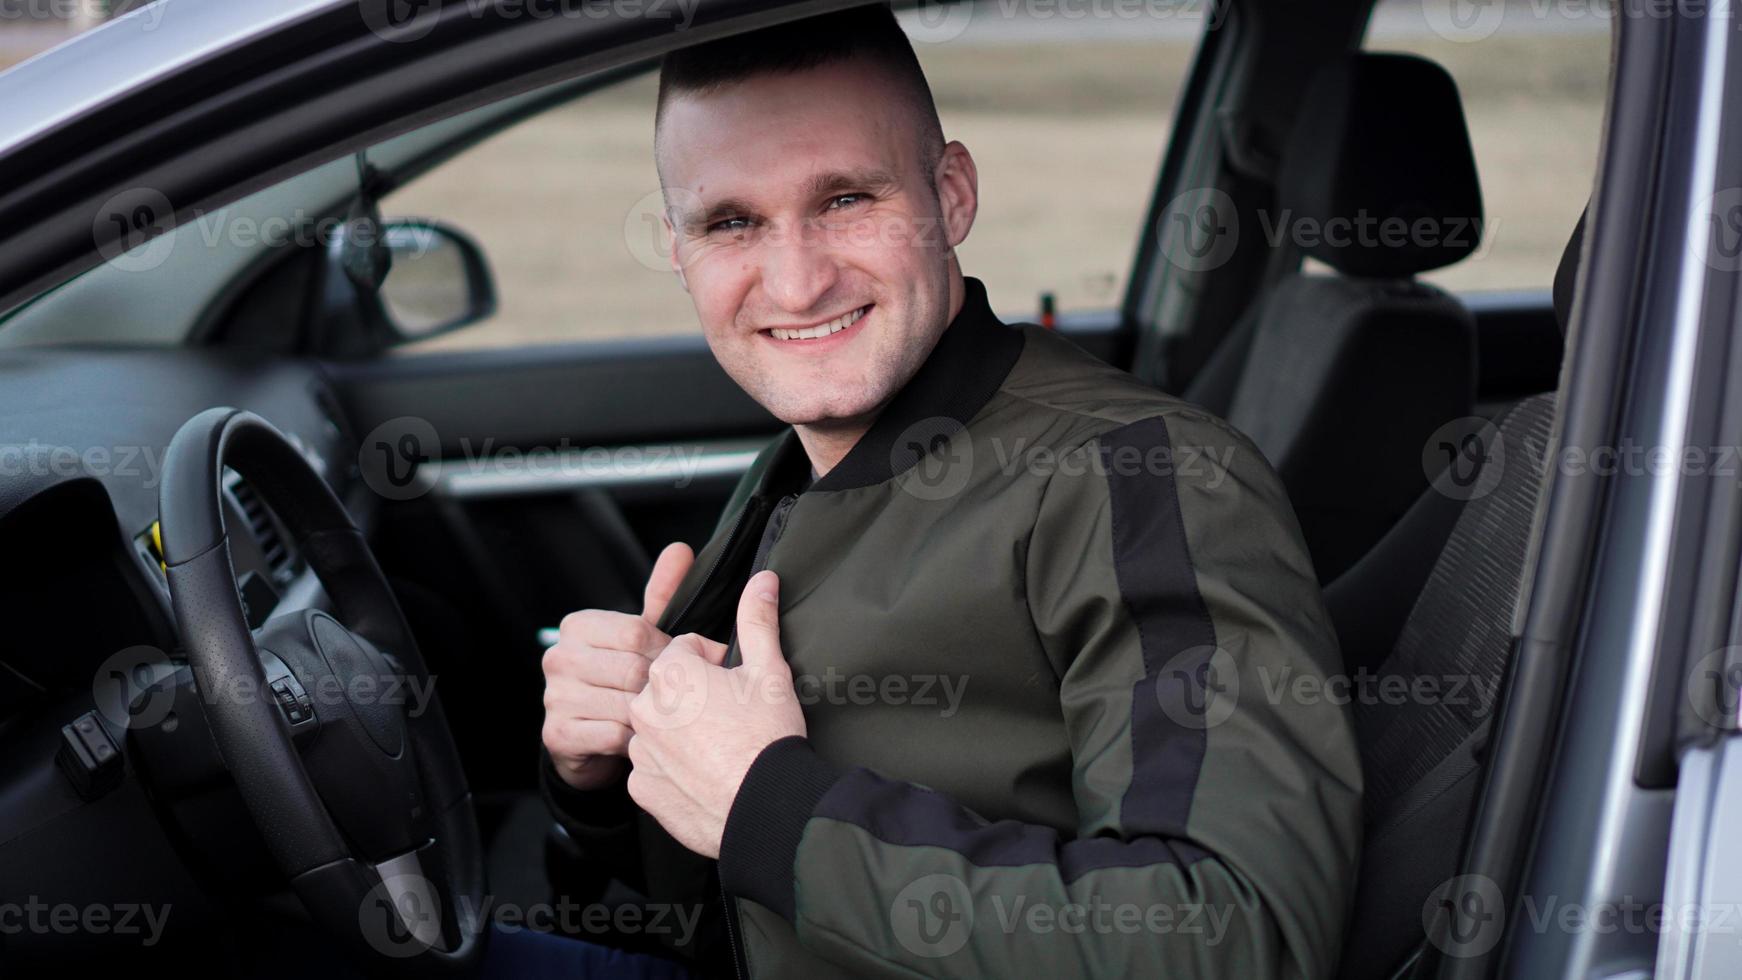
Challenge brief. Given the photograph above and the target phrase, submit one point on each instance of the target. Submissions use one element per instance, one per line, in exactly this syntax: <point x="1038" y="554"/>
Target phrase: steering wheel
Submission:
<point x="358" y="792"/>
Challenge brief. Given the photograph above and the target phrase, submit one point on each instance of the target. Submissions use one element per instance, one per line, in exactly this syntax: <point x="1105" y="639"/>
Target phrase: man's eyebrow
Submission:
<point x="853" y="180"/>
<point x="833" y="182"/>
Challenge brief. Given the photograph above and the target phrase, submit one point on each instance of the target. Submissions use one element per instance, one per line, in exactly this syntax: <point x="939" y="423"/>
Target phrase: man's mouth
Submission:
<point x="821" y="330"/>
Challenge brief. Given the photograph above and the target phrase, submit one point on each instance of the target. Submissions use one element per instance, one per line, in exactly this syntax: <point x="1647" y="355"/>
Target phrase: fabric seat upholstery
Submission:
<point x="1348" y="373"/>
<point x="1434" y="604"/>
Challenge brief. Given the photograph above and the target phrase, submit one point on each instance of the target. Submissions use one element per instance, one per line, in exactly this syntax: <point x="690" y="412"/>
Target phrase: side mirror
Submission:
<point x="436" y="281"/>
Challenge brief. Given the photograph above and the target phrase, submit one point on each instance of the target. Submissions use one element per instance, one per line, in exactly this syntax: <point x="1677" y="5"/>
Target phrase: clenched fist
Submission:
<point x="596" y="668"/>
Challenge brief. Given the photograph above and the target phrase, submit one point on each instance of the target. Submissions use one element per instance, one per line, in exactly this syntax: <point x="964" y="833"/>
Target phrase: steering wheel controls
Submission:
<point x="89" y="757"/>
<point x="293" y="700"/>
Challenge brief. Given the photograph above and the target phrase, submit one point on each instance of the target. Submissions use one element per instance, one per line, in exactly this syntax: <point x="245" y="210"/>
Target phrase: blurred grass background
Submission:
<point x="1067" y="127"/>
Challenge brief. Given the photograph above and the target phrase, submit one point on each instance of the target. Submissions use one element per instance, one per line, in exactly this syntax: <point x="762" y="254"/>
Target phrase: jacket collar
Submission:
<point x="971" y="360"/>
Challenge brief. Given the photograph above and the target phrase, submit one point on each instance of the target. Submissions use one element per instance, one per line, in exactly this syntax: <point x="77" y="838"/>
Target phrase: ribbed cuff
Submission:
<point x="606" y="808"/>
<point x="759" y="848"/>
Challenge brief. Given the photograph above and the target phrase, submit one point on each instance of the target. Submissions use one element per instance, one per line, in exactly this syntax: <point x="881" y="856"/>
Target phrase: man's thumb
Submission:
<point x="668" y="570"/>
<point x="759" y="622"/>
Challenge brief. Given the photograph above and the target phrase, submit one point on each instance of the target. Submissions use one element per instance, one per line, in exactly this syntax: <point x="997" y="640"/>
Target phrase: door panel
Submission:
<point x="550" y="477"/>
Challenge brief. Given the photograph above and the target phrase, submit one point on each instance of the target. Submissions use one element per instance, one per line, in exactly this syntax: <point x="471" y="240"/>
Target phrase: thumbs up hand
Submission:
<point x="698" y="726"/>
<point x="596" y="668"/>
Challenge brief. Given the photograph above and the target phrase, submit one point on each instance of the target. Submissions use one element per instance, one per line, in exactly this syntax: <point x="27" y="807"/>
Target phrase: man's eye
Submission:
<point x="729" y="226"/>
<point x="845" y="200"/>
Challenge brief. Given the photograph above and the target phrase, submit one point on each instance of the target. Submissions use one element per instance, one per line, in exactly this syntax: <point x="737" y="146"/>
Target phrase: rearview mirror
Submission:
<point x="436" y="282"/>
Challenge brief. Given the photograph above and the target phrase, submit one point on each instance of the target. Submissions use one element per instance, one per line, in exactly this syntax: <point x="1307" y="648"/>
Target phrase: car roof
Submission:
<point x="94" y="68"/>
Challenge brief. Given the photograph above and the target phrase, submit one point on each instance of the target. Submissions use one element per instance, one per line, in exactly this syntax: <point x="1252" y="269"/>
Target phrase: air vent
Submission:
<point x="265" y="528"/>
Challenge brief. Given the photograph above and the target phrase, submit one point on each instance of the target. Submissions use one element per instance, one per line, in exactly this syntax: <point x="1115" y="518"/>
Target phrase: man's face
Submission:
<point x="810" y="238"/>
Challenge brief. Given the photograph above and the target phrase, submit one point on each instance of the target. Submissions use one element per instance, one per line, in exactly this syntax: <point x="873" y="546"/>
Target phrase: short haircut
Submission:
<point x="869" y="32"/>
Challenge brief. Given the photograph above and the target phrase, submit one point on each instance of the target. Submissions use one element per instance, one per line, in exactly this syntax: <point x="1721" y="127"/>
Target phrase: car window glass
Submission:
<point x="1533" y="79"/>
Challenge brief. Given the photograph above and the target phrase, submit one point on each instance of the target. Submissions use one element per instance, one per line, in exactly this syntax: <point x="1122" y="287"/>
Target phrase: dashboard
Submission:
<point x="83" y="437"/>
<point x="83" y="433"/>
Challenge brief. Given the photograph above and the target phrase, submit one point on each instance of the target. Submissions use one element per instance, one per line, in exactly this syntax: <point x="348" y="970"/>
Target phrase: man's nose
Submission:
<point x="798" y="270"/>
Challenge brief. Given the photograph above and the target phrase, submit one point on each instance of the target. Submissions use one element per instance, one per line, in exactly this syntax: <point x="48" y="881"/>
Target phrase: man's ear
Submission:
<point x="958" y="184"/>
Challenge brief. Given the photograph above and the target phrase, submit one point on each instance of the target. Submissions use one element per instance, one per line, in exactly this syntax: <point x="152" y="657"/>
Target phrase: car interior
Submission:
<point x="1346" y="362"/>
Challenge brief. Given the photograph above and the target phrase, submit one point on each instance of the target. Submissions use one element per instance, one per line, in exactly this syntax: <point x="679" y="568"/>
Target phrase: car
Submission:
<point x="337" y="363"/>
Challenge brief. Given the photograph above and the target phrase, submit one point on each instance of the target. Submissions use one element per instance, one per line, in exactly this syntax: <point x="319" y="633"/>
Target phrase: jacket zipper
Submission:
<point x="713" y="567"/>
<point x="738" y="966"/>
<point x="770" y="533"/>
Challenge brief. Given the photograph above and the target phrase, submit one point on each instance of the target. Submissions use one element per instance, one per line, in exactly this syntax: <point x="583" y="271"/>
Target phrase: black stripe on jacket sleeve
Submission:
<point x="1160" y="588"/>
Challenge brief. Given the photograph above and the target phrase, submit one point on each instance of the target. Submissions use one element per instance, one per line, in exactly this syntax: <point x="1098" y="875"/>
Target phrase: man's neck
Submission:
<point x="828" y="443"/>
<point x="827" y="446"/>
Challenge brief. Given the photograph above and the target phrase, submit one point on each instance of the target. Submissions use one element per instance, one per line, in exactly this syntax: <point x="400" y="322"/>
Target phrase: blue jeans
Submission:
<point x="512" y="954"/>
<point x="523" y="954"/>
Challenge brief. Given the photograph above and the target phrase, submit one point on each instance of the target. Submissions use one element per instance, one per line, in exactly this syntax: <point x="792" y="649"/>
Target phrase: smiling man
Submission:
<point x="1127" y="778"/>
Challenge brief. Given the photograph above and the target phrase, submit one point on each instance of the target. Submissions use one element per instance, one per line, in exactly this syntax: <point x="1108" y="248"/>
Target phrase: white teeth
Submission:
<point x="822" y="329"/>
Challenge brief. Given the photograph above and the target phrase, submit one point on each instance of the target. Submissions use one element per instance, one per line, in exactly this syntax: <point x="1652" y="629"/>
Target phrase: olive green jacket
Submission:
<point x="1062" y="654"/>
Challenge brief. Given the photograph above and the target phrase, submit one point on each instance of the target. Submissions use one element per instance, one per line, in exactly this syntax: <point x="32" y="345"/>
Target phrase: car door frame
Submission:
<point x="1631" y="567"/>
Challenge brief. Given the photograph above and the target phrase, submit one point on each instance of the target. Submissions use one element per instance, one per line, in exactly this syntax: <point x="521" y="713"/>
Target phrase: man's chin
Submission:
<point x="831" y="417"/>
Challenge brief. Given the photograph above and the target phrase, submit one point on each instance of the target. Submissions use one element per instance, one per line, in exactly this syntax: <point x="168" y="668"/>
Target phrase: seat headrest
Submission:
<point x="1566" y="275"/>
<point x="1379" y="166"/>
